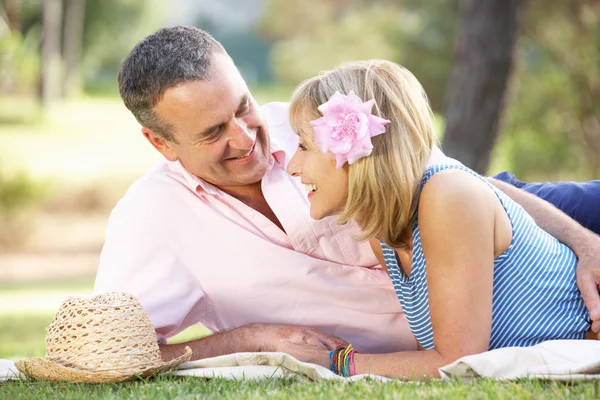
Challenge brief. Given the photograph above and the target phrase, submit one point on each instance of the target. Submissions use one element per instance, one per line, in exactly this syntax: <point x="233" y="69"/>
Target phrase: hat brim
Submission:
<point x="48" y="370"/>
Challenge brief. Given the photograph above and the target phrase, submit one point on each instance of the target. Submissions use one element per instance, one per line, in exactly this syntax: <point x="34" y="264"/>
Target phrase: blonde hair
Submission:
<point x="383" y="189"/>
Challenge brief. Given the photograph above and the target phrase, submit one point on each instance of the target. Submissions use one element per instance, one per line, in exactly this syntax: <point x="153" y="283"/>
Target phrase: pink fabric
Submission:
<point x="191" y="253"/>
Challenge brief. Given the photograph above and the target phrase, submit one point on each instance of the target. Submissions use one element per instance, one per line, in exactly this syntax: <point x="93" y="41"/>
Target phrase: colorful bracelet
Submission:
<point x="341" y="361"/>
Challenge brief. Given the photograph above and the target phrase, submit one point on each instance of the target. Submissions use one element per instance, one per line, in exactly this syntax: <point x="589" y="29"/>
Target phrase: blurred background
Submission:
<point x="515" y="85"/>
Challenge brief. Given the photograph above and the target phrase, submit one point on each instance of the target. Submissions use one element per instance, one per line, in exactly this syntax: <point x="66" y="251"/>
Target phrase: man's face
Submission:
<point x="218" y="128"/>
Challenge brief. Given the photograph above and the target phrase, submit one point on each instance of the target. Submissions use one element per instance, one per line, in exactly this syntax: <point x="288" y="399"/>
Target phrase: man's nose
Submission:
<point x="241" y="137"/>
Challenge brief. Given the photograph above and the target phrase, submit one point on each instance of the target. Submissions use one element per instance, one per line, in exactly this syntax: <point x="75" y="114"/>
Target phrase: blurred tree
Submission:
<point x="72" y="43"/>
<point x="97" y="35"/>
<point x="476" y="92"/>
<point x="10" y="11"/>
<point x="20" y="45"/>
<point x="51" y="51"/>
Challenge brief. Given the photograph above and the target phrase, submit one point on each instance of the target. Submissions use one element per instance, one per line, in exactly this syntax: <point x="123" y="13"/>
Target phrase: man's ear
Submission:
<point x="160" y="144"/>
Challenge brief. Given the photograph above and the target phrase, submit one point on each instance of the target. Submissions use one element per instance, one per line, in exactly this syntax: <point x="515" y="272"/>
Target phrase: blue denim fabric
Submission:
<point x="579" y="200"/>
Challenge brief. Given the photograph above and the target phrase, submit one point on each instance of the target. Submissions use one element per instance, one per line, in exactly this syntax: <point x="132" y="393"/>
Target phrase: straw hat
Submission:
<point x="106" y="339"/>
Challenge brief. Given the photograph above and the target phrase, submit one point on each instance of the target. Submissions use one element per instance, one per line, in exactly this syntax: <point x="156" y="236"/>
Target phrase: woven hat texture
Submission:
<point x="108" y="338"/>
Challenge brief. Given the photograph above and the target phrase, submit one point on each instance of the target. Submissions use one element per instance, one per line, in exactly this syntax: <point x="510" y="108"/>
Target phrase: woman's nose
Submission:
<point x="294" y="167"/>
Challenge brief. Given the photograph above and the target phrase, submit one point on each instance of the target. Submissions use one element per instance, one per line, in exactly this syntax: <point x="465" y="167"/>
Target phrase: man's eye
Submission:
<point x="213" y="134"/>
<point x="244" y="109"/>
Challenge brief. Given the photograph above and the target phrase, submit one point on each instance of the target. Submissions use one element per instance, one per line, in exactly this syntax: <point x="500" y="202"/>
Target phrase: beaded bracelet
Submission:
<point x="341" y="361"/>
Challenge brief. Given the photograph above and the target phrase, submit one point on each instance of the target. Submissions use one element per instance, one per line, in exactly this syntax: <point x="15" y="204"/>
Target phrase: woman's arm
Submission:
<point x="457" y="222"/>
<point x="458" y="215"/>
<point x="463" y="227"/>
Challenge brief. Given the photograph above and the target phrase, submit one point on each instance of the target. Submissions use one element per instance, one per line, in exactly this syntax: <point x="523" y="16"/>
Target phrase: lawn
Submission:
<point x="191" y="388"/>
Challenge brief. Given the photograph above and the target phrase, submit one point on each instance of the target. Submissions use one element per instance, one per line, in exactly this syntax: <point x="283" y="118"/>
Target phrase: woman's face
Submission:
<point x="327" y="186"/>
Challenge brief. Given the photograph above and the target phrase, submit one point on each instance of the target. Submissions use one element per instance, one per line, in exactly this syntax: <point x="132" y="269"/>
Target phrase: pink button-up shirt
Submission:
<point x="191" y="253"/>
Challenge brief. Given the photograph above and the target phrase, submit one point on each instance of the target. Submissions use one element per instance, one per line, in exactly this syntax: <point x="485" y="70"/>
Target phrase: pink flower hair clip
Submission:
<point x="346" y="127"/>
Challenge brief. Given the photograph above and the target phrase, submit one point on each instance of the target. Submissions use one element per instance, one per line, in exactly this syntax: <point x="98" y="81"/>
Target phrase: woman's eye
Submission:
<point x="301" y="146"/>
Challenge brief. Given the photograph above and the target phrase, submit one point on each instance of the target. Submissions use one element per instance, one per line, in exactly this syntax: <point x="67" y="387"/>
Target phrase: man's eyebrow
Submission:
<point x="207" y="131"/>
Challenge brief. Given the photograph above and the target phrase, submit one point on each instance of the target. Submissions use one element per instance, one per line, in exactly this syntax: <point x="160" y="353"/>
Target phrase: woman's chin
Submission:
<point x="316" y="216"/>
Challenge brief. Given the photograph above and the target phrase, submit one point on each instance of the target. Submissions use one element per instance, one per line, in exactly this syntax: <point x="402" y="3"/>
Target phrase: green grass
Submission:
<point x="23" y="336"/>
<point x="190" y="388"/>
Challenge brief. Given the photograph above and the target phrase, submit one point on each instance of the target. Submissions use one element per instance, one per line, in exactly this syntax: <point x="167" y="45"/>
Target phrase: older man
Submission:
<point x="219" y="234"/>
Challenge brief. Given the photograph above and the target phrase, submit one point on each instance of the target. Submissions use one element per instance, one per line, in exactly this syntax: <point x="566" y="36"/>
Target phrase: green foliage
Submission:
<point x="23" y="336"/>
<point x="552" y="125"/>
<point x="18" y="192"/>
<point x="19" y="60"/>
<point x="353" y="36"/>
<point x="111" y="29"/>
<point x="310" y="36"/>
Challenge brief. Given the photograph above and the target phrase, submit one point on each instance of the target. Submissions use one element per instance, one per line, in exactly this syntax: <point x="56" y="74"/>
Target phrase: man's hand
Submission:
<point x="251" y="338"/>
<point x="588" y="278"/>
<point x="270" y="337"/>
<point x="306" y="353"/>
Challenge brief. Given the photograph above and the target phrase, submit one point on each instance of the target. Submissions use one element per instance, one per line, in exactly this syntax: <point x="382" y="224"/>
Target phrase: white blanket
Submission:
<point x="564" y="360"/>
<point x="260" y="366"/>
<point x="9" y="371"/>
<point x="559" y="359"/>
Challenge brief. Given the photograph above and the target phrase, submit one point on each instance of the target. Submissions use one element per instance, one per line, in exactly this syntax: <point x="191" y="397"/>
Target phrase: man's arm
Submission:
<point x="251" y="338"/>
<point x="584" y="243"/>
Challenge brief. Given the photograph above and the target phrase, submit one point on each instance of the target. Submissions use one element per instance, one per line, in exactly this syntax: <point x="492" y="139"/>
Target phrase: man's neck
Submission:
<point x="252" y="196"/>
<point x="246" y="193"/>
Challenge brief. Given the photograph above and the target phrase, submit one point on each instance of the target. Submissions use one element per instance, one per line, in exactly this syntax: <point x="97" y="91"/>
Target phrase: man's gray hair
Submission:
<point x="164" y="59"/>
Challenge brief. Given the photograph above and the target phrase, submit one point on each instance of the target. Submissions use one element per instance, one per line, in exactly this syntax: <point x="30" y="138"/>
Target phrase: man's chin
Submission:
<point x="252" y="176"/>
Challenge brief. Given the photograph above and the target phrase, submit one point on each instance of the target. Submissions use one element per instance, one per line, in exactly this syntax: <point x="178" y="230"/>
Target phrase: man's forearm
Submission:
<point x="549" y="218"/>
<point x="218" y="344"/>
<point x="252" y="338"/>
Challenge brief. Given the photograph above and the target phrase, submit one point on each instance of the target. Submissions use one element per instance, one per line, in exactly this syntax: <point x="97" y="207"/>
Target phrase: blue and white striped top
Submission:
<point x="535" y="297"/>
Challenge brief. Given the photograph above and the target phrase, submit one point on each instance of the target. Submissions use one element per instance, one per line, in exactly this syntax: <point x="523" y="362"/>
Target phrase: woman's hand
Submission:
<point x="306" y="352"/>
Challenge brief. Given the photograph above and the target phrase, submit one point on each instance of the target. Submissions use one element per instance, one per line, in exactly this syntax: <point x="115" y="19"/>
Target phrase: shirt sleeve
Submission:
<point x="138" y="259"/>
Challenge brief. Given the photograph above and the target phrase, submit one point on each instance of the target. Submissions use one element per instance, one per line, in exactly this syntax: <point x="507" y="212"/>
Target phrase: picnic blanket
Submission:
<point x="564" y="360"/>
